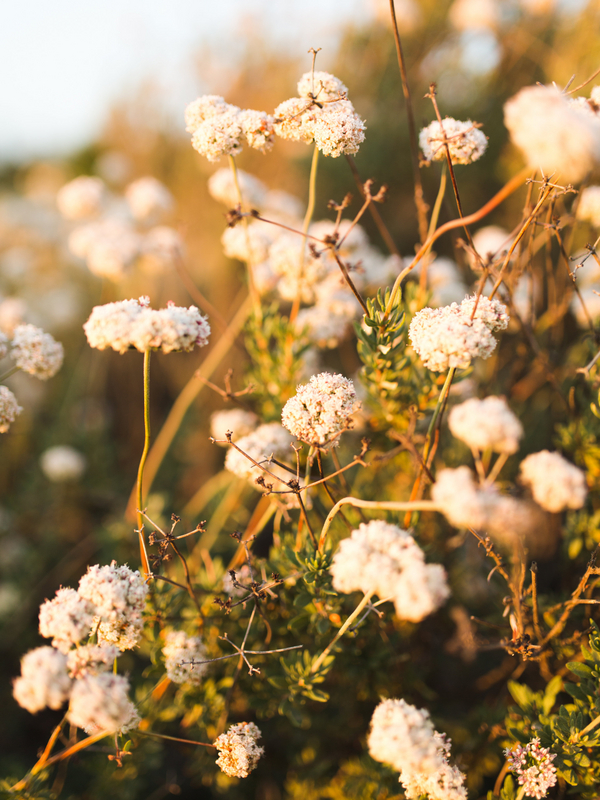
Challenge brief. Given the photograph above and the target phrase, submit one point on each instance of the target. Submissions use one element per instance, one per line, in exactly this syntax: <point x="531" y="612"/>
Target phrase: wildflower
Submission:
<point x="221" y="186"/>
<point x="533" y="766"/>
<point x="266" y="441"/>
<point x="321" y="86"/>
<point x="238" y="751"/>
<point x="299" y="272"/>
<point x="66" y="619"/>
<point x="460" y="500"/>
<point x="555" y="484"/>
<point x="36" y="352"/>
<point x="182" y="648"/>
<point x="119" y="595"/>
<point x="9" y="408"/>
<point x="44" y="681"/>
<point x="110" y="325"/>
<point x="247" y="243"/>
<point x="320" y="410"/>
<point x="62" y="463"/>
<point x="235" y="420"/>
<point x="384" y="559"/>
<point x="81" y="197"/>
<point x="108" y="247"/>
<point x="466" y="142"/>
<point x="487" y="423"/>
<point x="589" y="205"/>
<point x="148" y="198"/>
<point x="403" y="736"/>
<point x="90" y="659"/>
<point x="99" y="703"/>
<point x="553" y="134"/>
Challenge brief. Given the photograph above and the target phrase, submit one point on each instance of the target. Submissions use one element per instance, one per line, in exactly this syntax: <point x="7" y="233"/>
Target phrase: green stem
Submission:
<point x="140" y="476"/>
<point x="10" y="372"/>
<point x="341" y="631"/>
<point x="436" y="412"/>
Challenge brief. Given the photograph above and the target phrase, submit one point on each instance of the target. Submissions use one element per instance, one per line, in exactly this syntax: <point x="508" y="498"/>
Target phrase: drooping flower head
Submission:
<point x="321" y="409"/>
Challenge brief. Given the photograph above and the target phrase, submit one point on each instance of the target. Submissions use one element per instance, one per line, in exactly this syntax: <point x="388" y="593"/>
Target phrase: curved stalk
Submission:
<point x="140" y="476"/>
<point x="342" y="631"/>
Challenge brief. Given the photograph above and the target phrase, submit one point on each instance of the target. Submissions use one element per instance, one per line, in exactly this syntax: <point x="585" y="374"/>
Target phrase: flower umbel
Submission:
<point x="533" y="766"/>
<point x="238" y="751"/>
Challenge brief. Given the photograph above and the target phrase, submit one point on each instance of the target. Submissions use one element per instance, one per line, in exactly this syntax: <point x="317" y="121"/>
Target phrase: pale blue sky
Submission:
<point x="62" y="62"/>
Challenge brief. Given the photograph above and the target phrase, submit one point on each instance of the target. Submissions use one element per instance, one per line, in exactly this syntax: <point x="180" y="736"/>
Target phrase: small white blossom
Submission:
<point x="460" y="500"/>
<point x="321" y="86"/>
<point x="169" y="329"/>
<point x="220" y="129"/>
<point x="320" y="409"/>
<point x="466" y="142"/>
<point x="81" y="197"/>
<point x="66" y="619"/>
<point x="257" y="129"/>
<point x="555" y="483"/>
<point x="553" y="134"/>
<point x="205" y="107"/>
<point x="9" y="408"/>
<point x="119" y="595"/>
<point x="589" y="205"/>
<point x="108" y="247"/>
<point x="338" y="130"/>
<point x="110" y="325"/>
<point x="148" y="198"/>
<point x="492" y="313"/>
<point x="182" y="648"/>
<point x="403" y="736"/>
<point x="247" y="242"/>
<point x="533" y="766"/>
<point x="298" y="271"/>
<point x="90" y="659"/>
<point x="490" y="242"/>
<point x="238" y="751"/>
<point x="62" y="463"/>
<point x="44" y="681"/>
<point x="384" y="559"/>
<point x="36" y="352"/>
<point x="100" y="703"/>
<point x="487" y="423"/>
<point x="221" y="186"/>
<point x="235" y="420"/>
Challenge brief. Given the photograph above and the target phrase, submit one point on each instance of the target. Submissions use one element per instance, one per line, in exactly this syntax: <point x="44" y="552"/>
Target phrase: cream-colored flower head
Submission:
<point x="44" y="682"/>
<point x="36" y="352"/>
<point x="62" y="463"/>
<point x="148" y="198"/>
<point x="66" y="619"/>
<point x="488" y="423"/>
<point x="236" y="420"/>
<point x="82" y="197"/>
<point x="100" y="703"/>
<point x="320" y="409"/>
<point x="9" y="408"/>
<point x="238" y="751"/>
<point x="179" y="651"/>
<point x="466" y="142"/>
<point x="555" y="483"/>
<point x="554" y="135"/>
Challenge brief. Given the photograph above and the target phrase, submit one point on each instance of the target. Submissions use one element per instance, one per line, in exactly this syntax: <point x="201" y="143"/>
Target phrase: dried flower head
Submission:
<point x="320" y="409"/>
<point x="533" y="766"/>
<point x="148" y="198"/>
<point x="180" y="648"/>
<point x="403" y="736"/>
<point x="466" y="142"/>
<point x="66" y="619"/>
<point x="81" y="197"/>
<point x="62" y="463"/>
<point x="384" y="559"/>
<point x="9" y="408"/>
<point x="555" y="483"/>
<point x="36" y="352"/>
<point x="487" y="423"/>
<point x="44" y="681"/>
<point x="238" y="751"/>
<point x="100" y="703"/>
<point x="553" y="134"/>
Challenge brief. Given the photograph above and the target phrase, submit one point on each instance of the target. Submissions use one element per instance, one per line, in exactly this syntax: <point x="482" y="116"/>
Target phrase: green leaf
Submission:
<point x="508" y="788"/>
<point x="568" y="774"/>
<point x="519" y="735"/>
<point x="582" y="670"/>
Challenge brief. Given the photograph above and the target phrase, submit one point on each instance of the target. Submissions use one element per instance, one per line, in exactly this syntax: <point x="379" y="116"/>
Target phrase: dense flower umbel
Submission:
<point x="403" y="736"/>
<point x="533" y="766"/>
<point x="182" y="648"/>
<point x="238" y="751"/>
<point x="100" y="703"/>
<point x="384" y="559"/>
<point x="36" y="352"/>
<point x="555" y="483"/>
<point x="320" y="410"/>
<point x="131" y="323"/>
<point x="148" y="198"/>
<point x="44" y="681"/>
<point x="67" y="618"/>
<point x="466" y="142"/>
<point x="9" y="408"/>
<point x="81" y="197"/>
<point x="447" y="337"/>
<point x="487" y="423"/>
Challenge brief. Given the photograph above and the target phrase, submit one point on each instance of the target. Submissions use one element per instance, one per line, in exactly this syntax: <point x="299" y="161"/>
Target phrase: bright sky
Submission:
<point x="63" y="62"/>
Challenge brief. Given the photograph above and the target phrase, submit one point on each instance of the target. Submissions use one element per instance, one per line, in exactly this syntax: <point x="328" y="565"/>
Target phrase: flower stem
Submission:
<point x="140" y="476"/>
<point x="341" y="631"/>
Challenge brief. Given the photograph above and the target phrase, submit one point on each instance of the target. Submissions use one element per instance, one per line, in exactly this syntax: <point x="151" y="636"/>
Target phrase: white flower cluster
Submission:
<point x="148" y="198"/>
<point x="404" y="737"/>
<point x="322" y="114"/>
<point x="108" y="246"/>
<point x="555" y="134"/>
<point x="589" y="205"/>
<point x="235" y="420"/>
<point x="488" y="423"/>
<point x="36" y="352"/>
<point x="320" y="410"/>
<point x="384" y="559"/>
<point x="238" y="751"/>
<point x="447" y="337"/>
<point x="109" y="602"/>
<point x="534" y="768"/>
<point x="62" y="463"/>
<point x="131" y="323"/>
<point x="82" y="197"/>
<point x="221" y="129"/>
<point x="9" y="408"/>
<point x="555" y="483"/>
<point x="181" y="648"/>
<point x="466" y="142"/>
